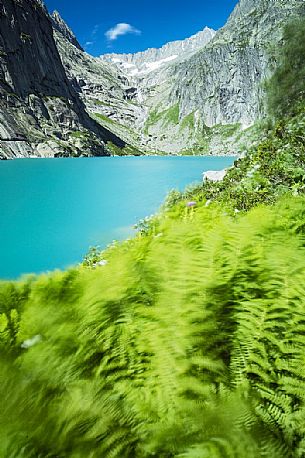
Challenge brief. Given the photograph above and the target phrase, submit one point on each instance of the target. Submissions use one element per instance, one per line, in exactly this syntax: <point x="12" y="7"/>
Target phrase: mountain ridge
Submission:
<point x="60" y="24"/>
<point x="193" y="96"/>
<point x="207" y="102"/>
<point x="168" y="52"/>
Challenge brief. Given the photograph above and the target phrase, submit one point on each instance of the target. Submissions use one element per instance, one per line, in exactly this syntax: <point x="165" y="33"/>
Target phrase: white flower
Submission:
<point x="31" y="342"/>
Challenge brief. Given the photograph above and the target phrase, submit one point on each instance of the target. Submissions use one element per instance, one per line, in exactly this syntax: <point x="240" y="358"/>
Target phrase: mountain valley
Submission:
<point x="201" y="95"/>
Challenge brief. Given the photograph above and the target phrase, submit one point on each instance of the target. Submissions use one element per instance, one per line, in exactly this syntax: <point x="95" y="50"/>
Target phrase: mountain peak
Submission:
<point x="153" y="58"/>
<point x="61" y="26"/>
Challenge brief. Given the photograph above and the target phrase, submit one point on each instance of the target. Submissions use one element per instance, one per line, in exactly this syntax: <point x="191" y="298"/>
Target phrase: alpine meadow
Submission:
<point x="187" y="340"/>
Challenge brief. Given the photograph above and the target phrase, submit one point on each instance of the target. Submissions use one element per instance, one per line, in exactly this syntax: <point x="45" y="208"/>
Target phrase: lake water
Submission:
<point x="53" y="210"/>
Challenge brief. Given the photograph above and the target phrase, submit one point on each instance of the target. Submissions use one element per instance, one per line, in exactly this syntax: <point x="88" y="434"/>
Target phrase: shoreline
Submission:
<point x="198" y="164"/>
<point x="123" y="156"/>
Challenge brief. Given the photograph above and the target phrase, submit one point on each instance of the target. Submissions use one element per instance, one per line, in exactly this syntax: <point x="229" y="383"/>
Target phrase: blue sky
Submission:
<point x="136" y="25"/>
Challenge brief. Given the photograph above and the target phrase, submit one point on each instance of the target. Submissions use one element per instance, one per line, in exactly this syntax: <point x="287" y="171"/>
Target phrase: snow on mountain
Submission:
<point x="152" y="59"/>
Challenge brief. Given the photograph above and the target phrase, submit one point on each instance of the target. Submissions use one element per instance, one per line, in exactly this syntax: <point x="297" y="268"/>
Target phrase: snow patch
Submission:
<point x="155" y="65"/>
<point x="127" y="65"/>
<point x="134" y="72"/>
<point x="147" y="67"/>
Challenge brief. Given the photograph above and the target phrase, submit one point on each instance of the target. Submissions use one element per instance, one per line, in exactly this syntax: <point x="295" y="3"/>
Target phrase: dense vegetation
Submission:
<point x="286" y="88"/>
<point x="187" y="342"/>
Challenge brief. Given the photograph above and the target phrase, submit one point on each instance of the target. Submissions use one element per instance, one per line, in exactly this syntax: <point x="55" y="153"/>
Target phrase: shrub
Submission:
<point x="286" y="88"/>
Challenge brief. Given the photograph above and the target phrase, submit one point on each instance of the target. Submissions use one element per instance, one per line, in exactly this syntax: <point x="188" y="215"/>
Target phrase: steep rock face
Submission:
<point x="199" y="101"/>
<point x="223" y="83"/>
<point x="60" y="25"/>
<point x="225" y="78"/>
<point x="117" y="92"/>
<point x="104" y="90"/>
<point x="197" y="95"/>
<point x="39" y="109"/>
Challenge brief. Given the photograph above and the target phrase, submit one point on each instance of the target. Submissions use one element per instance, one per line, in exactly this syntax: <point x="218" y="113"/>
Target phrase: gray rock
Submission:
<point x="143" y="63"/>
<point x="60" y="25"/>
<point x="214" y="175"/>
<point x="36" y="96"/>
<point x="201" y="95"/>
<point x="219" y="83"/>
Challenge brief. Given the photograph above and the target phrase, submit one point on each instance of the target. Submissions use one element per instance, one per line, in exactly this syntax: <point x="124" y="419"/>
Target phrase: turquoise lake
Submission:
<point x="53" y="210"/>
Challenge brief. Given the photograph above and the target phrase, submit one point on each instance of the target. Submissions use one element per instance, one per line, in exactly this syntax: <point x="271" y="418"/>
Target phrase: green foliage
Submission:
<point x="173" y="197"/>
<point x="166" y="117"/>
<point x="78" y="134"/>
<point x="188" y="343"/>
<point x="100" y="103"/>
<point x="93" y="256"/>
<point x="12" y="299"/>
<point x="188" y="122"/>
<point x="271" y="169"/>
<point x="221" y="134"/>
<point x="128" y="150"/>
<point x="122" y="131"/>
<point x="104" y="118"/>
<point x="172" y="114"/>
<point x="287" y="86"/>
<point x="153" y="118"/>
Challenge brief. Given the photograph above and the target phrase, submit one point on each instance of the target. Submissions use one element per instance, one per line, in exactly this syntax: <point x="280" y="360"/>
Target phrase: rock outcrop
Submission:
<point x="61" y="26"/>
<point x="224" y="81"/>
<point x="40" y="111"/>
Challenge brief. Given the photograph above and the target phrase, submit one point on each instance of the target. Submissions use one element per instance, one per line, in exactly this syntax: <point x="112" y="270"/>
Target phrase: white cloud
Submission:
<point x="121" y="29"/>
<point x="89" y="43"/>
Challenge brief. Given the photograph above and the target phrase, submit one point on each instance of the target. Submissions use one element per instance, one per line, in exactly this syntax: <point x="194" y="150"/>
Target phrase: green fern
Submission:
<point x="187" y="344"/>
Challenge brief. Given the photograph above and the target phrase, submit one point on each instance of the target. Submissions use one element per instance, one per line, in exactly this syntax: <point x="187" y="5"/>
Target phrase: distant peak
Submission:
<point x="61" y="26"/>
<point x="153" y="59"/>
<point x="56" y="15"/>
<point x="59" y="20"/>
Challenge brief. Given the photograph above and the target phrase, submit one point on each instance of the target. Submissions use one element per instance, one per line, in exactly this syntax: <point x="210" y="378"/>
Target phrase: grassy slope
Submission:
<point x="273" y="168"/>
<point x="124" y="132"/>
<point x="189" y="339"/>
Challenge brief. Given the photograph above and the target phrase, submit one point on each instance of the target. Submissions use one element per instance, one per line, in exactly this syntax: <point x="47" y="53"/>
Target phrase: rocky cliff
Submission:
<point x="61" y="26"/>
<point x="205" y="101"/>
<point x="199" y="95"/>
<point x="116" y="88"/>
<point x="222" y="83"/>
<point x="41" y="113"/>
<point x="104" y="90"/>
